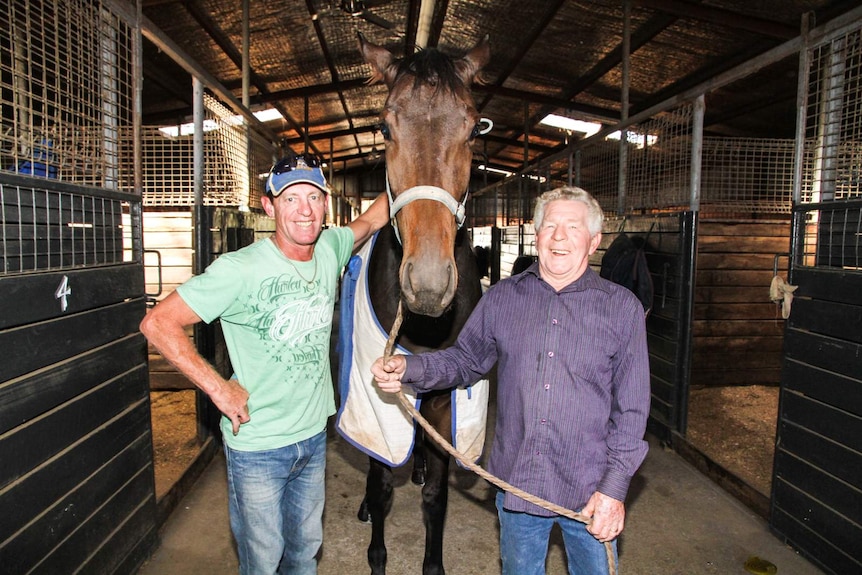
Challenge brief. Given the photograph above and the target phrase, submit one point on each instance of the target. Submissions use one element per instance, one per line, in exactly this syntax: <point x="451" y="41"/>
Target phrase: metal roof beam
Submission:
<point x="722" y="17"/>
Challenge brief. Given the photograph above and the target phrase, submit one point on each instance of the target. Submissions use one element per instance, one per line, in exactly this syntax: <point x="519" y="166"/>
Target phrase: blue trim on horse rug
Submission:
<point x="372" y="421"/>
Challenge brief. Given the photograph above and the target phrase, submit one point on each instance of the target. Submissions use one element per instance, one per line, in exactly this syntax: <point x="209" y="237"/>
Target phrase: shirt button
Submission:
<point x="544" y="421"/>
<point x="554" y="321"/>
<point x="550" y="354"/>
<point x="547" y="386"/>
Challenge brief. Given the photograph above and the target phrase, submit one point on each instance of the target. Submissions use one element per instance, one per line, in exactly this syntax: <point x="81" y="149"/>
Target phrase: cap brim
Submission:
<point x="316" y="184"/>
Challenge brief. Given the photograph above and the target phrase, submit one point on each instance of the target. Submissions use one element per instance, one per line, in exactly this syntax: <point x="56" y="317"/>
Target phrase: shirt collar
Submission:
<point x="589" y="279"/>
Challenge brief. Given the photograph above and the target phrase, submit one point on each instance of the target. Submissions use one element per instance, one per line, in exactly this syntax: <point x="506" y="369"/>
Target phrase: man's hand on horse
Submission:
<point x="231" y="398"/>
<point x="388" y="372"/>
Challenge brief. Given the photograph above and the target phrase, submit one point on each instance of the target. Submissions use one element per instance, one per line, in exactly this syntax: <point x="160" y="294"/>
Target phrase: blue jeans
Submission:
<point x="524" y="544"/>
<point x="276" y="506"/>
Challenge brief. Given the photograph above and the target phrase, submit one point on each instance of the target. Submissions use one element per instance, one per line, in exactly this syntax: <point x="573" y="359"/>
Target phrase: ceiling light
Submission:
<point x="571" y="124"/>
<point x="639" y="140"/>
<point x="268" y="115"/>
<point x="491" y="170"/>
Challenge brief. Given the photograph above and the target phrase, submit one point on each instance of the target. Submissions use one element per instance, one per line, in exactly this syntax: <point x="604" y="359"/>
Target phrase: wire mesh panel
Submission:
<point x="233" y="161"/>
<point x="659" y="162"/>
<point x="66" y="111"/>
<point x="597" y="171"/>
<point x="235" y="158"/>
<point x="833" y="121"/>
<point x="226" y="176"/>
<point x="747" y="175"/>
<point x="65" y="90"/>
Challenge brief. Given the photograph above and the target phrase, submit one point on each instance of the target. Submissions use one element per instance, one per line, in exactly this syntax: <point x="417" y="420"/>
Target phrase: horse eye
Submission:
<point x="477" y="129"/>
<point x="384" y="131"/>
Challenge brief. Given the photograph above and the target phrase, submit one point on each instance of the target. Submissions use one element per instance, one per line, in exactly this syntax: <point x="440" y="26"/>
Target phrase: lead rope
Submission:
<point x="429" y="429"/>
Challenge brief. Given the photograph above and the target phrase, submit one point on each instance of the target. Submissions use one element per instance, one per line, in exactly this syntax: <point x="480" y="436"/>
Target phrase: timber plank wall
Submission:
<point x="737" y="330"/>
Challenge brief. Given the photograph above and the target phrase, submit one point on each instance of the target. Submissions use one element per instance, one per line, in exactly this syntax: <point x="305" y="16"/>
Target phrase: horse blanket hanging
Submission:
<point x="371" y="420"/>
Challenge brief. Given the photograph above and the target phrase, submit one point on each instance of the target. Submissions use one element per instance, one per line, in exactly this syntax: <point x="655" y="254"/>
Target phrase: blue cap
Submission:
<point x="303" y="169"/>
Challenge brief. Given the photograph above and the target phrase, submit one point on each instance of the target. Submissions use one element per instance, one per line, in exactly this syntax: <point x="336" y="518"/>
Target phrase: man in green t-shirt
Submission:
<point x="275" y="300"/>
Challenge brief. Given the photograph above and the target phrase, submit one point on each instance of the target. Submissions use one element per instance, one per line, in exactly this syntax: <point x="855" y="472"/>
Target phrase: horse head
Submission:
<point x="429" y="123"/>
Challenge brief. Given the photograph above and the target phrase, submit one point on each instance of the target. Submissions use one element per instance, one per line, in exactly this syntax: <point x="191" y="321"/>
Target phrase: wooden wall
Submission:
<point x="738" y="331"/>
<point x="170" y="234"/>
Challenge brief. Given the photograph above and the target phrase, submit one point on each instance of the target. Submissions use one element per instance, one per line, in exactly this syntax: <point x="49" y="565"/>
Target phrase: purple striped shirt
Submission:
<point x="573" y="385"/>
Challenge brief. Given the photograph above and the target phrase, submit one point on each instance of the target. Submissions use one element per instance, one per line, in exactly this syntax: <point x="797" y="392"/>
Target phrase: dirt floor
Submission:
<point x="175" y="441"/>
<point x="734" y="426"/>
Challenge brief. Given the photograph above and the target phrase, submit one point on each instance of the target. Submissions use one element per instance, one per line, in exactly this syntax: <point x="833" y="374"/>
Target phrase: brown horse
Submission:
<point x="425" y="259"/>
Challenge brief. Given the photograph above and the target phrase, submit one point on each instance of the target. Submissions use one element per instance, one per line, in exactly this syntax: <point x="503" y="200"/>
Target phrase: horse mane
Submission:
<point x="432" y="67"/>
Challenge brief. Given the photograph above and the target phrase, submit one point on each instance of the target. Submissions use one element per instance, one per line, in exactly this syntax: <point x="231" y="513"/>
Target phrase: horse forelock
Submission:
<point x="431" y="67"/>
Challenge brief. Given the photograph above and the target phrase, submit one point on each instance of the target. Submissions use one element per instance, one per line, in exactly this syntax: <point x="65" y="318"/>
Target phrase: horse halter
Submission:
<point x="425" y="193"/>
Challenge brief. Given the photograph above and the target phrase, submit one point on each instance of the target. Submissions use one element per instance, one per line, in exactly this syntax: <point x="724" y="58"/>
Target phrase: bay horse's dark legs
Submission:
<point x="435" y="492"/>
<point x="435" y="497"/>
<point x="419" y="468"/>
<point x="376" y="506"/>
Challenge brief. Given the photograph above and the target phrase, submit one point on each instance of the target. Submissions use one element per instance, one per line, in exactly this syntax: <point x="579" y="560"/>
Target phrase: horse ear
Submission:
<point x="472" y="62"/>
<point x="381" y="61"/>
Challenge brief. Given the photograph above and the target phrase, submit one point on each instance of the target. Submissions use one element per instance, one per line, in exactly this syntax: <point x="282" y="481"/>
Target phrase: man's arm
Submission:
<point x="371" y="220"/>
<point x="164" y="326"/>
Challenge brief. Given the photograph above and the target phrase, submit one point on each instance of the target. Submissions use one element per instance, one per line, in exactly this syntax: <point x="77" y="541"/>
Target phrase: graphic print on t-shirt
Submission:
<point x="293" y="319"/>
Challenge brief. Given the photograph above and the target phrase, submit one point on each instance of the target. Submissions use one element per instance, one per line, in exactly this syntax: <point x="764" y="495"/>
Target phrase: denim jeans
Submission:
<point x="276" y="506"/>
<point x="524" y="544"/>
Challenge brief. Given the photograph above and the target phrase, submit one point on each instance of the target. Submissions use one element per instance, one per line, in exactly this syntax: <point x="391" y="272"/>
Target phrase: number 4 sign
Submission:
<point x="63" y="290"/>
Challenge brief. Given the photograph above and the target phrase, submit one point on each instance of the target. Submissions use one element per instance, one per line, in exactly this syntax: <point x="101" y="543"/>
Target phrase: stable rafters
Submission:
<point x="227" y="47"/>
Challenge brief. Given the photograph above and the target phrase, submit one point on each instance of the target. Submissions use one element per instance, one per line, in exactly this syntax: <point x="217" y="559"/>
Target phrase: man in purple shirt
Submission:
<point x="573" y="388"/>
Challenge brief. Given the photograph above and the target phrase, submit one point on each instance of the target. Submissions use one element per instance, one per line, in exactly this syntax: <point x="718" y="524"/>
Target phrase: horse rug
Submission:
<point x="373" y="421"/>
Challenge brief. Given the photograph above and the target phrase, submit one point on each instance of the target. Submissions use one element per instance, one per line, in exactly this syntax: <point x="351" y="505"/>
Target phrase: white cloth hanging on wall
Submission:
<point x="781" y="293"/>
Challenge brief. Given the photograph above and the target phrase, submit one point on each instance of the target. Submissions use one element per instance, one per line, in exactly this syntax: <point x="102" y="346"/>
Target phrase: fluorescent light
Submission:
<point x="266" y="115"/>
<point x="508" y="173"/>
<point x="187" y="129"/>
<point x="571" y="124"/>
<point x="638" y="139"/>
<point x="494" y="170"/>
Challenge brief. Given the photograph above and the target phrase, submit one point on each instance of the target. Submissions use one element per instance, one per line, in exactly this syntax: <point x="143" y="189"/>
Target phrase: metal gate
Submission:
<point x="76" y="480"/>
<point x="817" y="488"/>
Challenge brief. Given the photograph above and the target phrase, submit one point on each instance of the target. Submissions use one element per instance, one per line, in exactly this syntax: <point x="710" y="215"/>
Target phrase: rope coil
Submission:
<point x="478" y="470"/>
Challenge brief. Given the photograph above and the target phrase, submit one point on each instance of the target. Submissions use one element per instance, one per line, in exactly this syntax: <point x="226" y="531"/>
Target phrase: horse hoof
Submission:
<point x="418" y="477"/>
<point x="363" y="514"/>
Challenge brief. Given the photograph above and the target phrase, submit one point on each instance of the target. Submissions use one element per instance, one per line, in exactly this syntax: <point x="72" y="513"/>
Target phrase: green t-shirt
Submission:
<point x="277" y="329"/>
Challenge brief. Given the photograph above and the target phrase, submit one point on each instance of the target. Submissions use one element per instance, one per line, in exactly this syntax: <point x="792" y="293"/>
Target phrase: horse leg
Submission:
<point x="376" y="506"/>
<point x="419" y="467"/>
<point x="435" y="492"/>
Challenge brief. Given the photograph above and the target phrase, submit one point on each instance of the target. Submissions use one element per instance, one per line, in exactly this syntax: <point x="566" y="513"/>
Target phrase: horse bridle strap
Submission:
<point x="425" y="193"/>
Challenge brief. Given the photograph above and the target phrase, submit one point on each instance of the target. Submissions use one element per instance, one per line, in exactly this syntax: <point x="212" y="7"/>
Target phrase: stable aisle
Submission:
<point x="678" y="523"/>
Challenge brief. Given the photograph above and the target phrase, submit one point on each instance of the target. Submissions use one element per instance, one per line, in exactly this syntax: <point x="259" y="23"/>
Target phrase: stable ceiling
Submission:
<point x="560" y="56"/>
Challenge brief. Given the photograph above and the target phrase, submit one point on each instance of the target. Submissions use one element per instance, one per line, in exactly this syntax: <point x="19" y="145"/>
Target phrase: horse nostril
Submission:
<point x="407" y="283"/>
